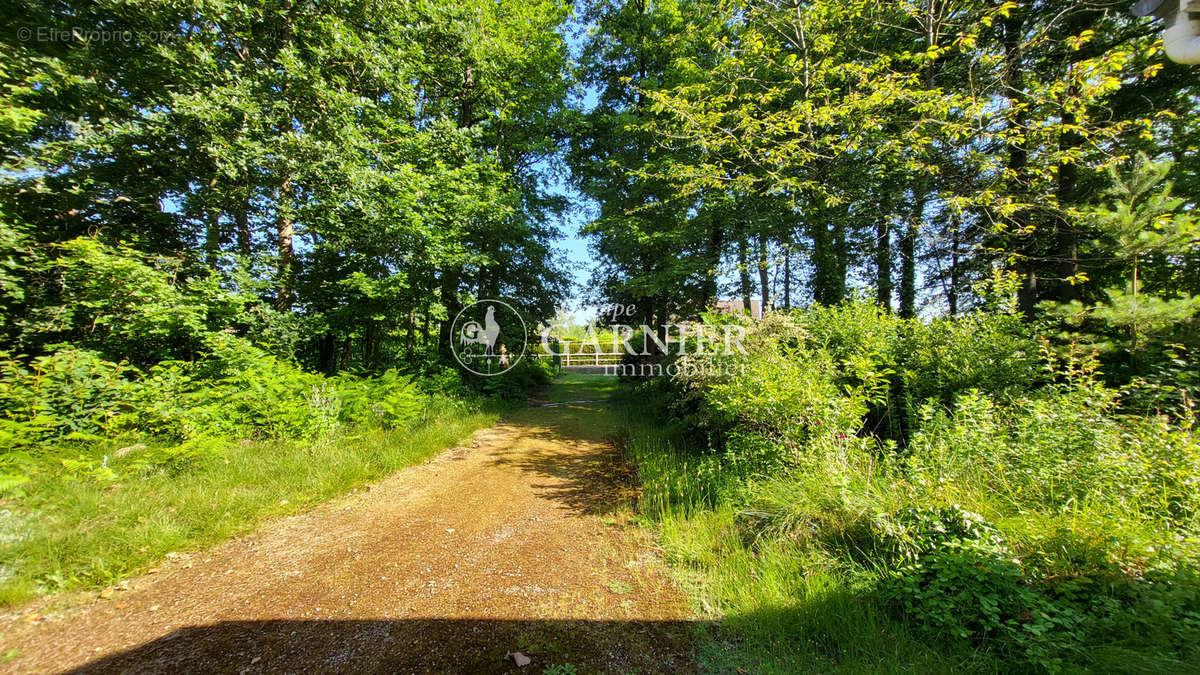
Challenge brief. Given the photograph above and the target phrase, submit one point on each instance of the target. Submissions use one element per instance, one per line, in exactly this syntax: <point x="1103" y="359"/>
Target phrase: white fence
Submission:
<point x="585" y="358"/>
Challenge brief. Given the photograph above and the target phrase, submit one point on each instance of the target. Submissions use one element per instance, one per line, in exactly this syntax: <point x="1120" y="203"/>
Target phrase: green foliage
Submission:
<point x="334" y="192"/>
<point x="811" y="378"/>
<point x="71" y="394"/>
<point x="959" y="580"/>
<point x="117" y="302"/>
<point x="1143" y="221"/>
<point x="1026" y="519"/>
<point x="528" y="376"/>
<point x="129" y="306"/>
<point x="899" y="364"/>
<point x="791" y="151"/>
<point x="73" y="414"/>
<point x="13" y="248"/>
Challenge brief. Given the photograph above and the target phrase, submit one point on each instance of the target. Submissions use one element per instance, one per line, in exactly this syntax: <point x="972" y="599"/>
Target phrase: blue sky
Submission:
<point x="579" y="259"/>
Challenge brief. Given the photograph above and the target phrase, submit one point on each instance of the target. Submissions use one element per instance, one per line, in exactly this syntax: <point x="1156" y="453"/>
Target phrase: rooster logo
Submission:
<point x="475" y="344"/>
<point x="474" y="334"/>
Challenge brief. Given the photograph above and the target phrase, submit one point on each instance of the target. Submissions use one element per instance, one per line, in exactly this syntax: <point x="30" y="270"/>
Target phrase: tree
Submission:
<point x="363" y="166"/>
<point x="1143" y="219"/>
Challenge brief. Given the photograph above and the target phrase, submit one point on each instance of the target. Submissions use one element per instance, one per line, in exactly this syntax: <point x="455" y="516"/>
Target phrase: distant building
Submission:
<point x="736" y="307"/>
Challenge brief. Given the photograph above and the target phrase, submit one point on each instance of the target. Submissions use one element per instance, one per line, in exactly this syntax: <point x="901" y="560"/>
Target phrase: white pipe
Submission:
<point x="1181" y="40"/>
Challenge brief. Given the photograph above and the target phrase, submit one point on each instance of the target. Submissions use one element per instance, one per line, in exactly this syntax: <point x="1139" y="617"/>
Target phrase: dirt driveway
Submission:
<point x="517" y="541"/>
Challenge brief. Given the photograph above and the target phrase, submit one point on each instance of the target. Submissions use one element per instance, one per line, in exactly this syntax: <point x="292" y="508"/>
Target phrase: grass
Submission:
<point x="576" y="387"/>
<point x="780" y="608"/>
<point x="86" y="534"/>
<point x="575" y="416"/>
<point x="795" y="574"/>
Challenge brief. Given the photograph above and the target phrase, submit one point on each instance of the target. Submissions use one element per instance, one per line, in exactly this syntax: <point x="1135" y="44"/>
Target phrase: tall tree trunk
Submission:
<point x="466" y="103"/>
<point x="716" y="244"/>
<point x="841" y="257"/>
<point x="428" y="328"/>
<point x="1066" y="234"/>
<point x="1133" y="323"/>
<point x="212" y="226"/>
<point x="883" y="258"/>
<point x="242" y="223"/>
<point x="344" y="362"/>
<point x="744" y="273"/>
<point x="326" y="352"/>
<point x="410" y="332"/>
<point x="368" y="338"/>
<point x="787" y="276"/>
<point x="908" y="271"/>
<point x="1018" y="161"/>
<point x="955" y="274"/>
<point x="449" y="297"/>
<point x="823" y="258"/>
<point x="764" y="274"/>
<point x="908" y="250"/>
<point x="285" y="232"/>
<point x="921" y="189"/>
<point x="284" y="227"/>
<point x="371" y="341"/>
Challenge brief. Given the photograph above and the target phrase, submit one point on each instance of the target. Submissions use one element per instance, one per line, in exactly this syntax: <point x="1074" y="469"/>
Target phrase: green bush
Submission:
<point x="388" y="401"/>
<point x="70" y="411"/>
<point x="957" y="578"/>
<point x="1020" y="513"/>
<point x="70" y="393"/>
<point x="525" y="378"/>
<point x="908" y="362"/>
<point x="1063" y="448"/>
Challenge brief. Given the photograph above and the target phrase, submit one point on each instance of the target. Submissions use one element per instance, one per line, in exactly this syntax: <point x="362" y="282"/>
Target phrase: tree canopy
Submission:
<point x="361" y="167"/>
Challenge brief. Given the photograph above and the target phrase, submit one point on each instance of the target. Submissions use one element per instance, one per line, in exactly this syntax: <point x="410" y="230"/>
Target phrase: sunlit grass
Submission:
<point x="577" y="387"/>
<point x="781" y="608"/>
<point x="89" y="534"/>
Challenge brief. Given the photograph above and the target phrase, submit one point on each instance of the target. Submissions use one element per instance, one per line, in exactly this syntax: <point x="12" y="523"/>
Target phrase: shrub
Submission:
<point x="388" y="401"/>
<point x="991" y="353"/>
<point x="958" y="579"/>
<point x="1062" y="447"/>
<point x="904" y="363"/>
<point x="117" y="302"/>
<point x="70" y="400"/>
<point x="994" y="495"/>
<point x="68" y="393"/>
<point x="526" y="377"/>
<point x="771" y="404"/>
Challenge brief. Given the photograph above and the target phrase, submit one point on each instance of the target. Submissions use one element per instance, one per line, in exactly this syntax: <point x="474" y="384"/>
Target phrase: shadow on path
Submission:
<point x="571" y="446"/>
<point x="498" y="546"/>
<point x="410" y="646"/>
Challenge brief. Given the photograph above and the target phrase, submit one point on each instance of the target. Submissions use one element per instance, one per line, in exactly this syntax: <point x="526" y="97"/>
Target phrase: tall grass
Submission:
<point x="63" y="535"/>
<point x="1037" y="531"/>
<point x="781" y="607"/>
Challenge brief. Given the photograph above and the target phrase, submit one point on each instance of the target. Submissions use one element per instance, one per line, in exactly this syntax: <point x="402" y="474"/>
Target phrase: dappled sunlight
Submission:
<point x="518" y="539"/>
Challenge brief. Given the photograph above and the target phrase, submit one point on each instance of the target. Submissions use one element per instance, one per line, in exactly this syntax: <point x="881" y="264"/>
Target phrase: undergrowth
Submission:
<point x="151" y="413"/>
<point x="1010" y="518"/>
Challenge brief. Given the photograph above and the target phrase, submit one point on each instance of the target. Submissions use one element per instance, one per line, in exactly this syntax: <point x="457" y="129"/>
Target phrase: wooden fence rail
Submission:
<point x="585" y="358"/>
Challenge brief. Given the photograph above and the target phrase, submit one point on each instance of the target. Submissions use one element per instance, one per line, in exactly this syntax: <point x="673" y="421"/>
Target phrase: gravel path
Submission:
<point x="517" y="541"/>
